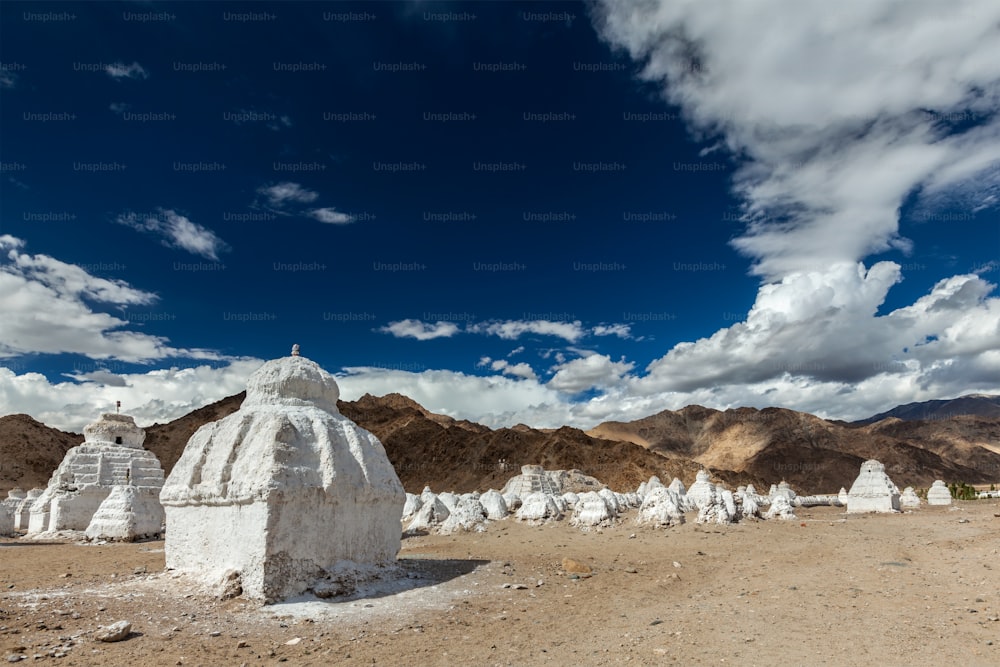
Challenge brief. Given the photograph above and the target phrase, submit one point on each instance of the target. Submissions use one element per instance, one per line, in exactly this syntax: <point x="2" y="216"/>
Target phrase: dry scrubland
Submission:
<point x="826" y="589"/>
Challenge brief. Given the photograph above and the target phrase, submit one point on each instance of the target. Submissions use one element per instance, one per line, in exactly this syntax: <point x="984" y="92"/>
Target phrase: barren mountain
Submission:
<point x="981" y="405"/>
<point x="738" y="446"/>
<point x="30" y="451"/>
<point x="465" y="456"/>
<point x="815" y="454"/>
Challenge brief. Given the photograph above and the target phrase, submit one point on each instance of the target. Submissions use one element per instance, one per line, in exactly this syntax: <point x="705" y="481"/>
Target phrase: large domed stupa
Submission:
<point x="285" y="492"/>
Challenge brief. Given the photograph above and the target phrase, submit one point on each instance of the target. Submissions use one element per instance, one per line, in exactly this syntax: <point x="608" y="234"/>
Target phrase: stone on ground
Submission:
<point x="494" y="504"/>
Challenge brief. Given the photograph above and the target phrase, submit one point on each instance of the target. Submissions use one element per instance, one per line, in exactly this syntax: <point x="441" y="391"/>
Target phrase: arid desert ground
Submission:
<point x="917" y="588"/>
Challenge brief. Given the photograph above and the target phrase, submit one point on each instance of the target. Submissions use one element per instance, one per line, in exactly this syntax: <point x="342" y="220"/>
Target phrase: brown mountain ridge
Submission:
<point x="743" y="445"/>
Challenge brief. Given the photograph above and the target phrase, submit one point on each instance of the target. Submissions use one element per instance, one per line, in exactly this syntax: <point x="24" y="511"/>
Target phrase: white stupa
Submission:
<point x="533" y="479"/>
<point x="285" y="491"/>
<point x="22" y="513"/>
<point x="938" y="494"/>
<point x="702" y="491"/>
<point x="111" y="456"/>
<point x="872" y="491"/>
<point x="909" y="498"/>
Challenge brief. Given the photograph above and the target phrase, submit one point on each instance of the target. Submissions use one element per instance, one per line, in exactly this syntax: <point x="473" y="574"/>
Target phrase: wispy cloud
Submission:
<point x="176" y="231"/>
<point x="280" y="195"/>
<point x="420" y="330"/>
<point x="119" y="71"/>
<point x="331" y="216"/>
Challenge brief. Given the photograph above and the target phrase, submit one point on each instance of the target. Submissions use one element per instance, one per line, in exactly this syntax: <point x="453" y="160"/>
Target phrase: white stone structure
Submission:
<point x="784" y="489"/>
<point x="592" y="509"/>
<point x="872" y="491"/>
<point x="494" y="504"/>
<point x="8" y="507"/>
<point x="843" y="496"/>
<point x="284" y="491"/>
<point x="660" y="507"/>
<point x="432" y="513"/>
<point x="126" y="514"/>
<point x="938" y="494"/>
<point x="469" y="515"/>
<point x="111" y="455"/>
<point x="538" y="506"/>
<point x="909" y="498"/>
<point x="701" y="492"/>
<point x="780" y="509"/>
<point x="22" y="513"/>
<point x="533" y="479"/>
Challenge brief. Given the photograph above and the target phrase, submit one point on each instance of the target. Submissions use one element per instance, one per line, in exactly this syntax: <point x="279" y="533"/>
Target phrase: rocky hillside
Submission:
<point x="30" y="451"/>
<point x="815" y="454"/>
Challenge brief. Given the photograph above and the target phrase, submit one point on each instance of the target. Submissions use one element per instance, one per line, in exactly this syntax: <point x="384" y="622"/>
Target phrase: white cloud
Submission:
<point x="119" y="107"/>
<point x="620" y="330"/>
<point x="120" y="71"/>
<point x="831" y="125"/>
<point x="517" y="350"/>
<point x="592" y="371"/>
<point x="46" y="309"/>
<point x="281" y="194"/>
<point x="156" y="396"/>
<point x="331" y="216"/>
<point x="521" y="370"/>
<point x="420" y="330"/>
<point x="8" y="79"/>
<point x="176" y="231"/>
<point x="514" y="329"/>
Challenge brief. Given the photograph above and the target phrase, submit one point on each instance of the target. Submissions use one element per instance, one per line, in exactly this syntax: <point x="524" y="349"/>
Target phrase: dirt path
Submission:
<point x="828" y="589"/>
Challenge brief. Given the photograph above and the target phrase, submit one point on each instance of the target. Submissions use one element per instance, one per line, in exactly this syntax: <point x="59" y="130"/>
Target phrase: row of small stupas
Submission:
<point x="243" y="503"/>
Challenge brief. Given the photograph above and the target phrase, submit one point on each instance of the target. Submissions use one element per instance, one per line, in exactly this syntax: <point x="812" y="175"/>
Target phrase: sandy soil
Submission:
<point x="827" y="589"/>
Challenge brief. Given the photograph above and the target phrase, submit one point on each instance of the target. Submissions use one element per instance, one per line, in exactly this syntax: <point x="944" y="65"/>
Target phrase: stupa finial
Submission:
<point x="295" y="350"/>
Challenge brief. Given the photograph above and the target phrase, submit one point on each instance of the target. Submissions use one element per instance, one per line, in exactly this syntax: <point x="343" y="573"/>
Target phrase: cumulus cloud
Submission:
<point x="47" y="308"/>
<point x="331" y="216"/>
<point x="119" y="71"/>
<point x="176" y="231"/>
<point x="521" y="370"/>
<point x="832" y="134"/>
<point x="8" y="79"/>
<point x="589" y="372"/>
<point x="156" y="396"/>
<point x="420" y="330"/>
<point x="833" y="129"/>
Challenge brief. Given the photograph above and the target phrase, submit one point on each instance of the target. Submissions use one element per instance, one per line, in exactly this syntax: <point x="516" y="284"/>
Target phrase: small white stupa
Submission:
<point x="533" y="479"/>
<point x="111" y="456"/>
<point x="702" y="491"/>
<point x="938" y="494"/>
<point x="22" y="513"/>
<point x="872" y="491"/>
<point x="909" y="498"/>
<point x="286" y="491"/>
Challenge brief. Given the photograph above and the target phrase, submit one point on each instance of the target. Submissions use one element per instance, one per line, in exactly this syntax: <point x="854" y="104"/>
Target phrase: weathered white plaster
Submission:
<point x="938" y="494"/>
<point x="872" y="491"/>
<point x="283" y="489"/>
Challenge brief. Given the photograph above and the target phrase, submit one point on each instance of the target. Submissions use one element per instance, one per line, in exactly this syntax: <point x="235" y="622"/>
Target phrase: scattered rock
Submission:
<point x="631" y="570"/>
<point x="114" y="632"/>
<point x="570" y="565"/>
<point x="293" y="642"/>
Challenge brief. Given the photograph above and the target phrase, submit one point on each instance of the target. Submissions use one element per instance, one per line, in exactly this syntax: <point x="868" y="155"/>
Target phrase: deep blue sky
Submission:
<point x="82" y="75"/>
